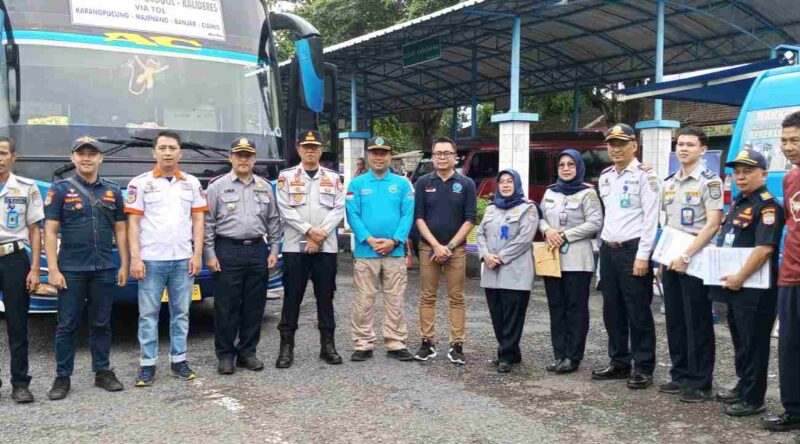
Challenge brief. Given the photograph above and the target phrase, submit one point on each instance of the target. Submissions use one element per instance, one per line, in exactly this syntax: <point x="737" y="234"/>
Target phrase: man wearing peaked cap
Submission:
<point x="88" y="212"/>
<point x="311" y="203"/>
<point x="622" y="132"/>
<point x="755" y="220"/>
<point x="242" y="236"/>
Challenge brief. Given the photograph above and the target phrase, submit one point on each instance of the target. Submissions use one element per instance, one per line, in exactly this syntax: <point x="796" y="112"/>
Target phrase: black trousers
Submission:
<point x="568" y="300"/>
<point x="789" y="347"/>
<point x="14" y="270"/>
<point x="690" y="330"/>
<point x="297" y="269"/>
<point x="751" y="327"/>
<point x="626" y="310"/>
<point x="507" y="309"/>
<point x="240" y="295"/>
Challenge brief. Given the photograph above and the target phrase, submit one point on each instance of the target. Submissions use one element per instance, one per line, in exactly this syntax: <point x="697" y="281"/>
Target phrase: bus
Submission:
<point x="122" y="70"/>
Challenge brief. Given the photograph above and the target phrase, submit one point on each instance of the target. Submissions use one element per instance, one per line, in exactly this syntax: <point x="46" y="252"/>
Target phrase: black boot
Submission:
<point x="286" y="353"/>
<point x="327" y="349"/>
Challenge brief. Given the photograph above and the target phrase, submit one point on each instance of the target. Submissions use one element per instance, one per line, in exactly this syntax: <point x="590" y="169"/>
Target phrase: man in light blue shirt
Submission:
<point x="380" y="211"/>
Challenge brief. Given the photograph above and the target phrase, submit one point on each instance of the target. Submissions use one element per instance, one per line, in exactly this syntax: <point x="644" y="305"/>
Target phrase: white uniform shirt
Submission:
<point x="166" y="208"/>
<point x="687" y="199"/>
<point x="632" y="201"/>
<point x="20" y="206"/>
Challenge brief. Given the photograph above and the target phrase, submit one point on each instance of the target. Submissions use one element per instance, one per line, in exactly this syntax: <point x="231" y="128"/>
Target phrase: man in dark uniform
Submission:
<point x="311" y="202"/>
<point x="755" y="220"/>
<point x="21" y="211"/>
<point x="89" y="212"/>
<point x="242" y="216"/>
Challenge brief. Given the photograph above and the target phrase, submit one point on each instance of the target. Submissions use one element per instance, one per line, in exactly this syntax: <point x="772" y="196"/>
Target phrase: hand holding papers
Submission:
<point x="672" y="244"/>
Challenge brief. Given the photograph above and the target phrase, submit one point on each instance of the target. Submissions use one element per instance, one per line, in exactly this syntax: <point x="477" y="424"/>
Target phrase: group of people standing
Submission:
<point x="167" y="223"/>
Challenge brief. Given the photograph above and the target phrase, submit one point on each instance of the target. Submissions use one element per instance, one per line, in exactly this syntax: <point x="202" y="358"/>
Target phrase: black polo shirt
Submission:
<point x="445" y="205"/>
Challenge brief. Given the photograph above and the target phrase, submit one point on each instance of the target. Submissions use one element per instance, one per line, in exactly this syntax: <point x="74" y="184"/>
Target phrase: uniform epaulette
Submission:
<point x="670" y="176"/>
<point x="551" y="185"/>
<point x="288" y="169"/>
<point x="109" y="182"/>
<point x="607" y="169"/>
<point x="215" y="179"/>
<point x="766" y="195"/>
<point x="590" y="185"/>
<point x="25" y="180"/>
<point x="708" y="174"/>
<point x="645" y="167"/>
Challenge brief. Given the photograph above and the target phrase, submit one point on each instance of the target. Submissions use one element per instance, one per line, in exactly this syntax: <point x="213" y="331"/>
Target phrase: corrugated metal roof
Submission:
<point x="589" y="42"/>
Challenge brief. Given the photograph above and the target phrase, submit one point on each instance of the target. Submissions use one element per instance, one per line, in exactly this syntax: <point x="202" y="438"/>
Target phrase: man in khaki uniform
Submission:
<point x="380" y="210"/>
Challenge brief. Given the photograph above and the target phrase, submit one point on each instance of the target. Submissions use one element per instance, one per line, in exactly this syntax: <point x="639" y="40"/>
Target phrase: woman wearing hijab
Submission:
<point x="505" y="237"/>
<point x="572" y="215"/>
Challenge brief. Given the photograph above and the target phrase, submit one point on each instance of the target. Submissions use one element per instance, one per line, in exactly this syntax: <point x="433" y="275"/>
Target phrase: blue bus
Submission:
<point x="122" y="70"/>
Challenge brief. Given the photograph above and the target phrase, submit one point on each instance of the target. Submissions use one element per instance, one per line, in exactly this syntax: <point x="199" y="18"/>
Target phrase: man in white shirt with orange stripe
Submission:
<point x="165" y="230"/>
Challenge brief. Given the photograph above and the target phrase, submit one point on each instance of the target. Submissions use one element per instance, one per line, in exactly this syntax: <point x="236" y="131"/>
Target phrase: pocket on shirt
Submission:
<point x="153" y="197"/>
<point x="327" y="199"/>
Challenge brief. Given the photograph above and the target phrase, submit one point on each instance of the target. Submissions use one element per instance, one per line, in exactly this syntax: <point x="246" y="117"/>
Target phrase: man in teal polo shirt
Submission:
<point x="380" y="211"/>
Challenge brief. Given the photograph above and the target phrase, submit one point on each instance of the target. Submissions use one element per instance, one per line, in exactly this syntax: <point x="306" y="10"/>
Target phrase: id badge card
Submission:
<point x="562" y="218"/>
<point x="12" y="219"/>
<point x="687" y="216"/>
<point x="728" y="240"/>
<point x="625" y="200"/>
<point x="504" y="232"/>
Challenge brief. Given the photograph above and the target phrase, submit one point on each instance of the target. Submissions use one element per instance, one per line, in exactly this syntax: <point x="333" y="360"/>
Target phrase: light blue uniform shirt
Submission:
<point x="380" y="208"/>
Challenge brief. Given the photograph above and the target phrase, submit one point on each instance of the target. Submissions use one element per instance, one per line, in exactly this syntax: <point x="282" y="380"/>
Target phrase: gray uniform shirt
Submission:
<point x="516" y="272"/>
<point x="241" y="210"/>
<point x="20" y="206"/>
<point x="305" y="202"/>
<point x="579" y="216"/>
<point x="686" y="199"/>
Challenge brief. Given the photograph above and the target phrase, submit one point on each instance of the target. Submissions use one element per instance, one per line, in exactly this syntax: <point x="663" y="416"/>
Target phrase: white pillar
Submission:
<point x="656" y="139"/>
<point x="354" y="143"/>
<point x="514" y="143"/>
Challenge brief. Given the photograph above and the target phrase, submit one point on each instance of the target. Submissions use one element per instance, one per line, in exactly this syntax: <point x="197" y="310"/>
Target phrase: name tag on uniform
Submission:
<point x="562" y="218"/>
<point x="504" y="232"/>
<point x="687" y="216"/>
<point x="625" y="200"/>
<point x="728" y="241"/>
<point x="430" y="190"/>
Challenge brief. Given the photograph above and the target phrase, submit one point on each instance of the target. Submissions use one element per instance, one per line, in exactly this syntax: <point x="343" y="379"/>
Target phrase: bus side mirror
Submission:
<point x="13" y="90"/>
<point x="311" y="72"/>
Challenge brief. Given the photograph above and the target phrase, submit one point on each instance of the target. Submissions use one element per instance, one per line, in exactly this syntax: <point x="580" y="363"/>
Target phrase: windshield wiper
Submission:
<point x="141" y="142"/>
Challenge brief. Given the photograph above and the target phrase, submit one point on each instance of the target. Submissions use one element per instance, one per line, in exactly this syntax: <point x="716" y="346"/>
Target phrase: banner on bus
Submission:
<point x="186" y="18"/>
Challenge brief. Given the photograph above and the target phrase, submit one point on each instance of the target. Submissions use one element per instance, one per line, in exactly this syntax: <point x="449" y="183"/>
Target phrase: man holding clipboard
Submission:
<point x="693" y="204"/>
<point x="755" y="220"/>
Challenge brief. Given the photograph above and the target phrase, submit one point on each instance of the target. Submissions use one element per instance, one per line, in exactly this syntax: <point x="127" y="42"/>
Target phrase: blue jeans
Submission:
<point x="174" y="276"/>
<point x="95" y="288"/>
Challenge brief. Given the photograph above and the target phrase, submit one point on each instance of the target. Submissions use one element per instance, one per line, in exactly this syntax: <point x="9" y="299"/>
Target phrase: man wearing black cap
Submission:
<point x="311" y="202"/>
<point x="89" y="212"/>
<point x="631" y="194"/>
<point x="754" y="220"/>
<point x="242" y="238"/>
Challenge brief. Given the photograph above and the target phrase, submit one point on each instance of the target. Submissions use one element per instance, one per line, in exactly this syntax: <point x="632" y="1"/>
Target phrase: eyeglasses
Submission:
<point x="505" y="182"/>
<point x="566" y="165"/>
<point x="443" y="154"/>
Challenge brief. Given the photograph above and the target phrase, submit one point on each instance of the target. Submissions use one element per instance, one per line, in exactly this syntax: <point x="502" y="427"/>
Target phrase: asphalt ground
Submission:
<point x="382" y="400"/>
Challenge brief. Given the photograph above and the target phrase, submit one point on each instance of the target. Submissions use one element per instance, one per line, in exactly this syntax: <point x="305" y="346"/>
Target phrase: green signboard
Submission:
<point x="421" y="52"/>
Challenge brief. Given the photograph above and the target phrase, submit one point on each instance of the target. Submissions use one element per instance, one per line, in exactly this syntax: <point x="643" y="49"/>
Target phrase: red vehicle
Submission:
<point x="478" y="159"/>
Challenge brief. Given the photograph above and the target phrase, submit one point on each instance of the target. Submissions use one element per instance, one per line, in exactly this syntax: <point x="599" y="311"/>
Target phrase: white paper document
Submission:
<point x="672" y="244"/>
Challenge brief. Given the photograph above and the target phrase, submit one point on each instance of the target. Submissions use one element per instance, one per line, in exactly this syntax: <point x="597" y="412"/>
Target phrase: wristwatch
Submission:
<point x="451" y="246"/>
<point x="686" y="259"/>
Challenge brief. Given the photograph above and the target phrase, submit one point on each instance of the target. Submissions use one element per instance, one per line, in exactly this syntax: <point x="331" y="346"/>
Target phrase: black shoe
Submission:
<point x="554" y="365"/>
<point x="456" y="354"/>
<point x="730" y="396"/>
<point x="781" y="423"/>
<point x="327" y="349"/>
<point x="567" y="366"/>
<point x="107" y="380"/>
<point x="225" y="366"/>
<point x="361" y="355"/>
<point x="250" y="363"/>
<point x="60" y="388"/>
<point x="401" y="355"/>
<point x="742" y="408"/>
<point x="611" y="372"/>
<point x="503" y="367"/>
<point x="692" y="395"/>
<point x="426" y="351"/>
<point x="672" y="388"/>
<point x="21" y="394"/>
<point x="286" y="353"/>
<point x="639" y="381"/>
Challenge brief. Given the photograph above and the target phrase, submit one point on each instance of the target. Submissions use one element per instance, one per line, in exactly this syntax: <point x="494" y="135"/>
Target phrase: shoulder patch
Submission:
<point x="708" y="174"/>
<point x="768" y="216"/>
<point x="645" y="167"/>
<point x="766" y="195"/>
<point x="715" y="189"/>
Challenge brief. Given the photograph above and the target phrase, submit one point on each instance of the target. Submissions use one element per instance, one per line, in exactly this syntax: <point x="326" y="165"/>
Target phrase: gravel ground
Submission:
<point x="378" y="401"/>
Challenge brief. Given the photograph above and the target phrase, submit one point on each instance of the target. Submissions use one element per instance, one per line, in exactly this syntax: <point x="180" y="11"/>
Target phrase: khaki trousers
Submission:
<point x="454" y="275"/>
<point x="370" y="275"/>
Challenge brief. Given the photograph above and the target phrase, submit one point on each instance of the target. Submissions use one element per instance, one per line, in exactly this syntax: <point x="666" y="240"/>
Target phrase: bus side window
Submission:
<point x="538" y="173"/>
<point x="483" y="165"/>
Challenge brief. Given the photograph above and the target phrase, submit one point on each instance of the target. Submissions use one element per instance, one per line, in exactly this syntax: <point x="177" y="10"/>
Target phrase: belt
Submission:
<point x="627" y="243"/>
<point x="11" y="247"/>
<point x="233" y="241"/>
